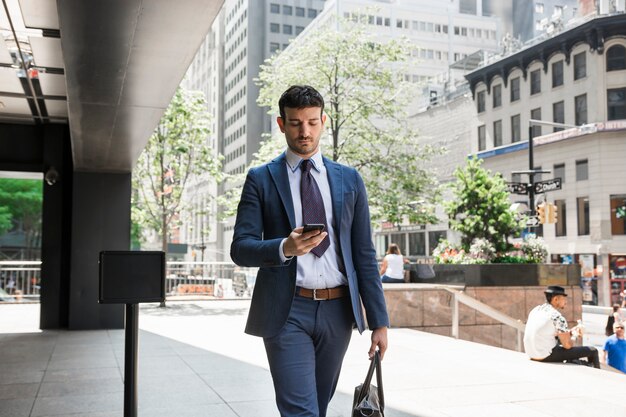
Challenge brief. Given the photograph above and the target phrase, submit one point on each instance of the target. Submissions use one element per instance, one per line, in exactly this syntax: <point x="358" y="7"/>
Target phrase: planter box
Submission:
<point x="490" y="275"/>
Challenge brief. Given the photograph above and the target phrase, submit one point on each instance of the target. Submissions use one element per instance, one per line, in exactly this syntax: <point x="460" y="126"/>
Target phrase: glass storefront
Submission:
<point x="414" y="240"/>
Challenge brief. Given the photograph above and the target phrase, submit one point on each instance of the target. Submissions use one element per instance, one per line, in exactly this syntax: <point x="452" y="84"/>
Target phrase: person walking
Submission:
<point x="392" y="268"/>
<point x="547" y="337"/>
<point x="310" y="285"/>
<point x="615" y="348"/>
<point x="614" y="317"/>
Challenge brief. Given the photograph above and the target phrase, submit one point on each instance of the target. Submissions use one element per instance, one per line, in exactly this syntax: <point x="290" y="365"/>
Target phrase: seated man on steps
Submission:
<point x="547" y="337"/>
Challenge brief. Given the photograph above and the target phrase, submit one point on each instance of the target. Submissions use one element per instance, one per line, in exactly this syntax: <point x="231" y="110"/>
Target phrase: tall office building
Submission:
<point x="243" y="36"/>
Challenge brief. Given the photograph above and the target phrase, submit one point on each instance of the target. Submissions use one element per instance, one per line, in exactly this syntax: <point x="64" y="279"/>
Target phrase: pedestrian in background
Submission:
<point x="615" y="348"/>
<point x="547" y="337"/>
<point x="614" y="317"/>
<point x="392" y="268"/>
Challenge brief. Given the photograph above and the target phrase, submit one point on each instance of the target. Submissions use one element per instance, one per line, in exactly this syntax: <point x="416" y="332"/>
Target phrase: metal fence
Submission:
<point x="22" y="279"/>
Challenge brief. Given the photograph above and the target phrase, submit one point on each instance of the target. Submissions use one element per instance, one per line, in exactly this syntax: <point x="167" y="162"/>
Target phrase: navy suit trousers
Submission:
<point x="305" y="357"/>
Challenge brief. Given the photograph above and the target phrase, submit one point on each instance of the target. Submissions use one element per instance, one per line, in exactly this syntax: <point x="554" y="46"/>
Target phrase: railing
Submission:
<point x="219" y="279"/>
<point x="22" y="279"/>
<point x="461" y="297"/>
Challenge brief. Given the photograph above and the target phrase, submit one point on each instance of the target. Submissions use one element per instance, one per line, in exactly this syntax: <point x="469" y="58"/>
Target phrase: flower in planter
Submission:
<point x="482" y="251"/>
<point x="534" y="249"/>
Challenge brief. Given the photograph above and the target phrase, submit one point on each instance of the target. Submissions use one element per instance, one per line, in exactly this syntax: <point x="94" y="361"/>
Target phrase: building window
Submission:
<point x="582" y="170"/>
<point x="299" y="29"/>
<point x="580" y="66"/>
<point x="561" y="219"/>
<point x="582" y="209"/>
<point x="417" y="244"/>
<point x="274" y="47"/>
<point x="535" y="114"/>
<point x="274" y="8"/>
<point x="497" y="133"/>
<point x="516" y="131"/>
<point x="557" y="74"/>
<point x="312" y="13"/>
<point x="616" y="103"/>
<point x="480" y="101"/>
<point x="535" y="82"/>
<point x="274" y="28"/>
<point x="558" y="114"/>
<point x="514" y="89"/>
<point x="559" y="172"/>
<point x="287" y="29"/>
<point x="288" y="10"/>
<point x="482" y="138"/>
<point x="618" y="214"/>
<point x="539" y="8"/>
<point x="300" y="11"/>
<point x="580" y="104"/>
<point x="616" y="58"/>
<point x="434" y="238"/>
<point x="497" y="95"/>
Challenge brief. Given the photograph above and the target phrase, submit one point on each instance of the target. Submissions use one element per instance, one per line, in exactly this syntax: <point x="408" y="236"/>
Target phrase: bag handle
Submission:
<point x="375" y="365"/>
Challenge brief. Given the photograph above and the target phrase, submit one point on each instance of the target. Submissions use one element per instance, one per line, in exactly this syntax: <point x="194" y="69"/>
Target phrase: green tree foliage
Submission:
<point x="20" y="206"/>
<point x="177" y="152"/>
<point x="361" y="79"/>
<point x="481" y="207"/>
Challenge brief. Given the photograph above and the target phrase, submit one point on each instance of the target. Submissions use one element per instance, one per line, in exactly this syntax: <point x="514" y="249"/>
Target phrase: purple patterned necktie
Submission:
<point x="312" y="204"/>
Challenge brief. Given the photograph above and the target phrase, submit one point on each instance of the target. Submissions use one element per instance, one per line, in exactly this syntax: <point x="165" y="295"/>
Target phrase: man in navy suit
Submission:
<point x="312" y="287"/>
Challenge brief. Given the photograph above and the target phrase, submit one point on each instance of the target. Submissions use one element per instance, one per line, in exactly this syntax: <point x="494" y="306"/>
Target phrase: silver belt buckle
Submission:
<point x="315" y="295"/>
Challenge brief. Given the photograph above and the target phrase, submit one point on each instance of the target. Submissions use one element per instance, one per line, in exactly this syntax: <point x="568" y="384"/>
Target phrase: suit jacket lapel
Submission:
<point x="278" y="172"/>
<point x="335" y="180"/>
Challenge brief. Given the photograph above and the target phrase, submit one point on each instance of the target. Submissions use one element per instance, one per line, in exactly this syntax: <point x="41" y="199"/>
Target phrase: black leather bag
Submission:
<point x="369" y="400"/>
<point x="425" y="271"/>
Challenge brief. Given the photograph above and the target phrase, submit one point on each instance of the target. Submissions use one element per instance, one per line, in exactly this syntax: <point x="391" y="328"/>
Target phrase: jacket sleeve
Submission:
<point x="248" y="247"/>
<point x="366" y="266"/>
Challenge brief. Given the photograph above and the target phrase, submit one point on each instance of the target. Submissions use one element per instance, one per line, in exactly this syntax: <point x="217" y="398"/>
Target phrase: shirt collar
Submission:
<point x="293" y="160"/>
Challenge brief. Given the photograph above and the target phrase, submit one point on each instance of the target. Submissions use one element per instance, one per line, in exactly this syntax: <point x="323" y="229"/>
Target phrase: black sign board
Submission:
<point x="517" y="187"/>
<point x="548" y="185"/>
<point x="129" y="277"/>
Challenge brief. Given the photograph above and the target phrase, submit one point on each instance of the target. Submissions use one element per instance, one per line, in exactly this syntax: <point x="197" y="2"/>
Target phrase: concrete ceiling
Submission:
<point x="108" y="68"/>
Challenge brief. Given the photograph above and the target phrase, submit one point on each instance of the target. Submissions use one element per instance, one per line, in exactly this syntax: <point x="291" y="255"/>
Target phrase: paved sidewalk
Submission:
<point x="195" y="360"/>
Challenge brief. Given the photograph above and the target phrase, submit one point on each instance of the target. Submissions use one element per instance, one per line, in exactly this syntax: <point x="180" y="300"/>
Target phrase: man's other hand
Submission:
<point x="379" y="339"/>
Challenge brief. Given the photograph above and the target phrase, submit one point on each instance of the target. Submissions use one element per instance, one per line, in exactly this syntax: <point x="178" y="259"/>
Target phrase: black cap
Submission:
<point x="555" y="290"/>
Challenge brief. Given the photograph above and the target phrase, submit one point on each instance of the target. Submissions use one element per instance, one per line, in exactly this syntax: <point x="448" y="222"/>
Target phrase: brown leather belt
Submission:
<point x="324" y="293"/>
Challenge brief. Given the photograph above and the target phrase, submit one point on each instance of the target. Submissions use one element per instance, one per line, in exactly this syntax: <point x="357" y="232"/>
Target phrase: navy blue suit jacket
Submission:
<point x="265" y="216"/>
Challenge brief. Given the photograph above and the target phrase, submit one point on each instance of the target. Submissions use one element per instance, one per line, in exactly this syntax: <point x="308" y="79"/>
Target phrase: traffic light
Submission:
<point x="541" y="213"/>
<point x="553" y="214"/>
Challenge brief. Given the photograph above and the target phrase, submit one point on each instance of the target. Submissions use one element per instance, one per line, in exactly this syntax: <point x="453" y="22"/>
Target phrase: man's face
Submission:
<point x="303" y="129"/>
<point x="619" y="330"/>
<point x="559" y="301"/>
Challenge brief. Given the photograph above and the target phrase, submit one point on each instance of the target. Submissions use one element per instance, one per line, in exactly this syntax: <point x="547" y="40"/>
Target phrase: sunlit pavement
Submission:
<point x="195" y="360"/>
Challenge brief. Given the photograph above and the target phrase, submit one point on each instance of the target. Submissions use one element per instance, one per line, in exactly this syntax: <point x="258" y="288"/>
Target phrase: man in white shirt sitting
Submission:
<point x="547" y="337"/>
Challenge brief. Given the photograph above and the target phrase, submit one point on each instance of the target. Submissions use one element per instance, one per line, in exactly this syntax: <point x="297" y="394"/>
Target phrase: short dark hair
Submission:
<point x="299" y="97"/>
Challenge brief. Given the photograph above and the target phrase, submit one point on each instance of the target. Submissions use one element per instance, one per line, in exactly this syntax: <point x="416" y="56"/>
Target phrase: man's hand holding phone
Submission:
<point x="303" y="239"/>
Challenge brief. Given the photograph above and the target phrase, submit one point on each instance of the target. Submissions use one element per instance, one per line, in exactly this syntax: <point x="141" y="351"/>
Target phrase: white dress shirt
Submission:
<point x="314" y="272"/>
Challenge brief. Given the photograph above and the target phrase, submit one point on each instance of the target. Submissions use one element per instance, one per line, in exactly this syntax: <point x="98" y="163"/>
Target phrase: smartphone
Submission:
<point x="310" y="227"/>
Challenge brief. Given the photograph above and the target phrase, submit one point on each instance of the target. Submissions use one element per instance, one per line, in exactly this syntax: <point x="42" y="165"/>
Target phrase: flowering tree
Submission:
<point x="361" y="80"/>
<point x="176" y="152"/>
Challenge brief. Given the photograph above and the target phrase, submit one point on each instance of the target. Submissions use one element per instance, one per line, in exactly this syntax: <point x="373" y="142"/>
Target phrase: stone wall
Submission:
<point x="428" y="308"/>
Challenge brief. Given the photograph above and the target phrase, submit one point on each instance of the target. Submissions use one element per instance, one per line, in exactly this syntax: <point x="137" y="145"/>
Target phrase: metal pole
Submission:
<point x="130" y="360"/>
<point x="455" y="316"/>
<point x="531" y="167"/>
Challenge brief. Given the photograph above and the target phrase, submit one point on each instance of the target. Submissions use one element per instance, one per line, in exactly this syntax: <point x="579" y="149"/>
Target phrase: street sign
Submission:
<point x="548" y="185"/>
<point x="517" y="187"/>
<point x="532" y="221"/>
